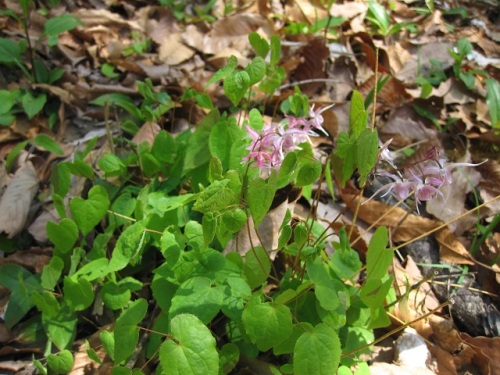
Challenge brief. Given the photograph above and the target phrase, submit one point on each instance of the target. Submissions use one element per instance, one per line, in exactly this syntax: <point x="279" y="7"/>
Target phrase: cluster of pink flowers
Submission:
<point x="269" y="147"/>
<point x="424" y="178"/>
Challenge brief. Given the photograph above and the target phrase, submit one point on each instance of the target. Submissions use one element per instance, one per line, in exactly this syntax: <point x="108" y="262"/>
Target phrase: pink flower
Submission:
<point x="316" y="119"/>
<point x="424" y="179"/>
<point x="269" y="147"/>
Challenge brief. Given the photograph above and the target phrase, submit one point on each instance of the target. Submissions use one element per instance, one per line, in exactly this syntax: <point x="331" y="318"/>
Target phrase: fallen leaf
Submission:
<point x="147" y="133"/>
<point x="16" y="201"/>
<point x="408" y="225"/>
<point x="451" y="249"/>
<point x="486" y="350"/>
<point x="172" y="51"/>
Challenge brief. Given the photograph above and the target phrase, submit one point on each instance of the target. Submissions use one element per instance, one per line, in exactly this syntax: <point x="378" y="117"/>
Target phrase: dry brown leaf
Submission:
<point x="172" y="51"/>
<point x="304" y="11"/>
<point x="392" y="95"/>
<point x="34" y="259"/>
<point x="100" y="17"/>
<point x="38" y="229"/>
<point x="408" y="225"/>
<point x="443" y="359"/>
<point x="147" y="133"/>
<point x="312" y="58"/>
<point x="16" y="201"/>
<point x="406" y="127"/>
<point x="83" y="364"/>
<point x="486" y="353"/>
<point x="230" y="31"/>
<point x="451" y="249"/>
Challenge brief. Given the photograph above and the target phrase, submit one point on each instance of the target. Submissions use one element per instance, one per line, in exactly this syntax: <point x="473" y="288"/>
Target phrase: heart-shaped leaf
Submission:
<point x="63" y="235"/>
<point x="236" y="85"/>
<point x="88" y="213"/>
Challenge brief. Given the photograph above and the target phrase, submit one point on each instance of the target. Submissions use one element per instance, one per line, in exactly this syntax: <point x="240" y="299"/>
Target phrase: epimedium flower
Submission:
<point x="423" y="179"/>
<point x="269" y="147"/>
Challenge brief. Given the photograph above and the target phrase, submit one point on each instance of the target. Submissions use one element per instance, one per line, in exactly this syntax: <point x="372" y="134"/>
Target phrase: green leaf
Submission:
<point x="216" y="197"/>
<point x="344" y="159"/>
<point x="33" y="104"/>
<point x="378" y="257"/>
<point x="222" y="137"/>
<point x="91" y="353"/>
<point x="63" y="235"/>
<point x="327" y="289"/>
<point x="236" y="86"/>
<point x="40" y="368"/>
<point x="229" y="357"/>
<point x="256" y="121"/>
<point x="60" y="179"/>
<point x="46" y="303"/>
<point x="193" y="231"/>
<point x="126" y="332"/>
<point x="317" y="352"/>
<point x="116" y="295"/>
<point x="236" y="293"/>
<point x="80" y="168"/>
<point x="7" y="101"/>
<point x="58" y="25"/>
<point x="222" y="73"/>
<point x="234" y="220"/>
<point x="21" y="284"/>
<point x="287" y="346"/>
<point x="275" y="50"/>
<point x="379" y="16"/>
<point x="88" y="213"/>
<point x="60" y="363"/>
<point x="345" y="260"/>
<point x="260" y="196"/>
<point x="111" y="165"/>
<point x="191" y="350"/>
<point x="357" y="114"/>
<point x="128" y="247"/>
<point x="309" y="172"/>
<point x="123" y="205"/>
<point x="61" y="328"/>
<point x="204" y="100"/>
<point x="493" y="101"/>
<point x="259" y="44"/>
<point x="366" y="153"/>
<point x="93" y="270"/>
<point x="256" y="70"/>
<point x="120" y="100"/>
<point x="257" y="266"/>
<point x="108" y="342"/>
<point x="46" y="142"/>
<point x="10" y="53"/>
<point x="109" y="70"/>
<point x="164" y="147"/>
<point x="374" y="291"/>
<point x="79" y="294"/>
<point x="197" y="296"/>
<point x="51" y="273"/>
<point x="267" y="324"/>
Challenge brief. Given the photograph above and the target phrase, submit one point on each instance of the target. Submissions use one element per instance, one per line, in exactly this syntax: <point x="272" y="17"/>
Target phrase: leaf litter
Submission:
<point x="147" y="41"/>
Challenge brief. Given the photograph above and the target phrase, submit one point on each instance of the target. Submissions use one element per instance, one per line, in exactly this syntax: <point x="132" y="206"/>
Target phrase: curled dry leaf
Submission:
<point x="16" y="201"/>
<point x="486" y="351"/>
